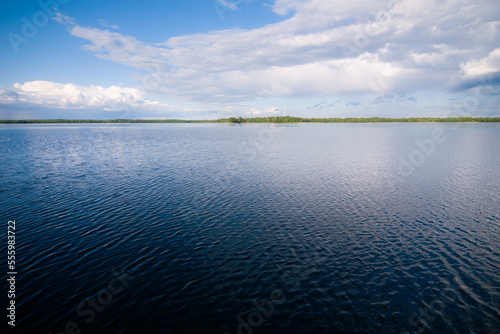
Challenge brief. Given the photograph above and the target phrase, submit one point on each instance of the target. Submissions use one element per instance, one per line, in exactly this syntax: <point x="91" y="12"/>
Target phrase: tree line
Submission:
<point x="269" y="119"/>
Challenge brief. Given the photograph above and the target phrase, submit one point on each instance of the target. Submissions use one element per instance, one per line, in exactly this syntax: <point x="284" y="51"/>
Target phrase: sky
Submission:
<point x="206" y="59"/>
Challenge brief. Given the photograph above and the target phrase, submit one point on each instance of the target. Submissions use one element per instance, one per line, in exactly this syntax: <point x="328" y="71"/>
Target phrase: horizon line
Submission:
<point x="265" y="119"/>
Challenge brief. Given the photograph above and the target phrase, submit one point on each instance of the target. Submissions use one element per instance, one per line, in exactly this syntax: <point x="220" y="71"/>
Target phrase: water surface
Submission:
<point x="303" y="228"/>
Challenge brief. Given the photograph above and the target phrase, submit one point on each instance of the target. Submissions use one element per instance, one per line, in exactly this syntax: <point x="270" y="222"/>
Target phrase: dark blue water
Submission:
<point x="339" y="228"/>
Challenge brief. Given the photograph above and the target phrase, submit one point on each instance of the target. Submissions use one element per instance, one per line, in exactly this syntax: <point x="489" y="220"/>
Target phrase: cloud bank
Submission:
<point x="320" y="48"/>
<point x="326" y="47"/>
<point x="53" y="95"/>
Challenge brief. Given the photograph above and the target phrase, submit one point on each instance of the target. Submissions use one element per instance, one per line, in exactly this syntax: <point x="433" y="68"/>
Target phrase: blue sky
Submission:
<point x="205" y="59"/>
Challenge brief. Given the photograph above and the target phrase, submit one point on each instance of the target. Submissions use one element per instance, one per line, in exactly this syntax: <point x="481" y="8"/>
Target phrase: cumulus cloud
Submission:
<point x="52" y="95"/>
<point x="324" y="47"/>
<point x="266" y="112"/>
<point x="483" y="66"/>
<point x="484" y="72"/>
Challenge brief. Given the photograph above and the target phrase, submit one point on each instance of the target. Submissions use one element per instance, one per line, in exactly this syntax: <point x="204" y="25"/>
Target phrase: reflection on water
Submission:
<point x="255" y="228"/>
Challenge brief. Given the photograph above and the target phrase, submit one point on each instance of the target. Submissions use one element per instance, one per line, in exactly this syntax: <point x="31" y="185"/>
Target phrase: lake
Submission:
<point x="219" y="228"/>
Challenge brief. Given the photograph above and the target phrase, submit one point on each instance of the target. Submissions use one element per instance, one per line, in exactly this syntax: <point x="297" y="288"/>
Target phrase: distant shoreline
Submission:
<point x="273" y="120"/>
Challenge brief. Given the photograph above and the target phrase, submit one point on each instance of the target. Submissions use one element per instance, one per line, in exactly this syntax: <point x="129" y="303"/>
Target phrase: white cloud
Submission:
<point x="334" y="10"/>
<point x="52" y="95"/>
<point x="483" y="66"/>
<point x="227" y="4"/>
<point x="483" y="72"/>
<point x="121" y="49"/>
<point x="106" y="24"/>
<point x="267" y="112"/>
<point x="273" y="110"/>
<point x="63" y="19"/>
<point x="326" y="47"/>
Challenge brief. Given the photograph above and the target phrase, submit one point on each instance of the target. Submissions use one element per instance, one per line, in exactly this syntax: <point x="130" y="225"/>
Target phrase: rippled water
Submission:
<point x="310" y="228"/>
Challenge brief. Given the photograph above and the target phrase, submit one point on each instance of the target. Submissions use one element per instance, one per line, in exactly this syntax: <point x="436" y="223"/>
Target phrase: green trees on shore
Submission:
<point x="269" y="119"/>
<point x="292" y="119"/>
